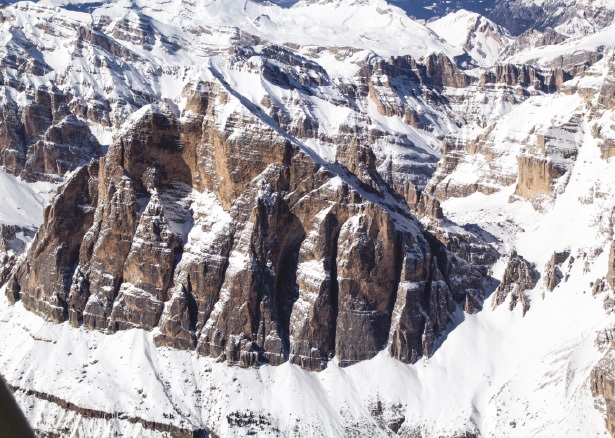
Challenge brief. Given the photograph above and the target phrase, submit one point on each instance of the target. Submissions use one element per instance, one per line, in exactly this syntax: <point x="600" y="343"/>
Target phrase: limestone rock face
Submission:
<point x="260" y="201"/>
<point x="553" y="272"/>
<point x="64" y="146"/>
<point x="271" y="257"/>
<point x="602" y="379"/>
<point x="367" y="281"/>
<point x="525" y="76"/>
<point x="536" y="176"/>
<point x="519" y="276"/>
<point x="43" y="280"/>
<point x="603" y="385"/>
<point x="544" y="163"/>
<point x="44" y="137"/>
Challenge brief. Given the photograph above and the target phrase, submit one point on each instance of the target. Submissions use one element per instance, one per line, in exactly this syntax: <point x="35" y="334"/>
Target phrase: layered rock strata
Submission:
<point x="43" y="137"/>
<point x="242" y="247"/>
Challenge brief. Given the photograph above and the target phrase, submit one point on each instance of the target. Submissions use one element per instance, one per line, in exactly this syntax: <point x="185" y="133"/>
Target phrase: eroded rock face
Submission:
<point x="519" y="276"/>
<point x="536" y="176"/>
<point x="43" y="281"/>
<point x="525" y="76"/>
<point x="554" y="274"/>
<point x="518" y="16"/>
<point x="602" y="379"/>
<point x="43" y="137"/>
<point x="270" y="258"/>
<point x="13" y="241"/>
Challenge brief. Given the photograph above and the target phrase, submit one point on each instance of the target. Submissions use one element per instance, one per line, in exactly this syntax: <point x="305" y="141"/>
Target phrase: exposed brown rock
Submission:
<point x="43" y="280"/>
<point x="536" y="176"/>
<point x="44" y="137"/>
<point x="413" y="330"/>
<point x="525" y="76"/>
<point x="602" y="385"/>
<point x="147" y="271"/>
<point x="367" y="276"/>
<point x="553" y="274"/>
<point x="64" y="146"/>
<point x="519" y="276"/>
<point x="599" y="286"/>
<point x="610" y="274"/>
<point x="270" y="257"/>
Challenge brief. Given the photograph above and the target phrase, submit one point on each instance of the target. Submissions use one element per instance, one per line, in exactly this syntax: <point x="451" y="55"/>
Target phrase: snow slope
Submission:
<point x="22" y="203"/>
<point x="481" y="38"/>
<point x="370" y="24"/>
<point x="552" y="54"/>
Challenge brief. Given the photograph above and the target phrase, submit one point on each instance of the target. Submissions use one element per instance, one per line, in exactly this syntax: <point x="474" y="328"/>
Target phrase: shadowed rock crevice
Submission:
<point x="287" y="293"/>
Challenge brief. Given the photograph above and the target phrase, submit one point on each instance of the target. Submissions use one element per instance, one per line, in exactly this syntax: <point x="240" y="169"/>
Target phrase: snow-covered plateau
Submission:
<point x="230" y="218"/>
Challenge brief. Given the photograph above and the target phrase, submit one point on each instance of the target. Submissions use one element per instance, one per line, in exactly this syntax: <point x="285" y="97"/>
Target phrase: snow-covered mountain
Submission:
<point x="317" y="219"/>
<point x="483" y="40"/>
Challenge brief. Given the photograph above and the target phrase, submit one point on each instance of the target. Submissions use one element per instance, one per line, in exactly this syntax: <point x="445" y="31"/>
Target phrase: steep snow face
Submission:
<point x="481" y="38"/>
<point x="558" y="54"/>
<point x="22" y="203"/>
<point x="372" y="24"/>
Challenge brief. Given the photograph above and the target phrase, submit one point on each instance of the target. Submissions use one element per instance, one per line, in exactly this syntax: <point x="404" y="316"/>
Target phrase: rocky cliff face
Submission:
<point x="602" y="381"/>
<point x="44" y="137"/>
<point x="554" y="274"/>
<point x="262" y="201"/>
<point x="220" y="229"/>
<point x="271" y="258"/>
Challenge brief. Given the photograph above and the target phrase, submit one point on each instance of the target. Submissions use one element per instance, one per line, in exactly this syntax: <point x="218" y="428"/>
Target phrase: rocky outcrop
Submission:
<point x="610" y="275"/>
<point x="44" y="137"/>
<point x="436" y="70"/>
<point x="13" y="240"/>
<point x="442" y="186"/>
<point x="525" y="76"/>
<point x="602" y="378"/>
<point x="532" y="38"/>
<point x="536" y="176"/>
<point x="553" y="273"/>
<point x="42" y="282"/>
<point x="241" y="247"/>
<point x="602" y="384"/>
<point x="519" y="276"/>
<point x="543" y="164"/>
